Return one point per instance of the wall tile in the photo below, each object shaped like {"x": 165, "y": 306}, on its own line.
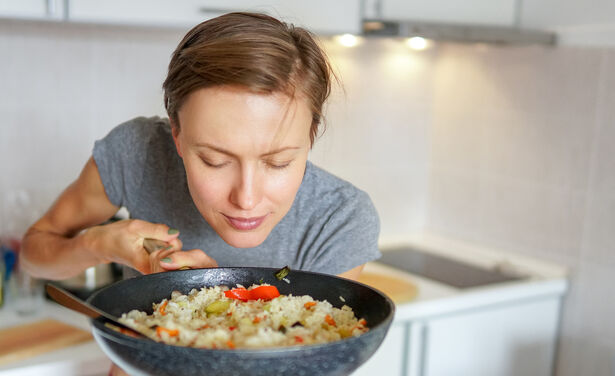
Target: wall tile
{"x": 583, "y": 356}
{"x": 458, "y": 139}
{"x": 454, "y": 198}
{"x": 91, "y": 78}
{"x": 539, "y": 219}
{"x": 539, "y": 148}
{"x": 588, "y": 340}
{"x": 599, "y": 238}
{"x": 559, "y": 81}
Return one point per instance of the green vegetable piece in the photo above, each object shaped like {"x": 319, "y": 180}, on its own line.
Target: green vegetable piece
{"x": 218, "y": 306}
{"x": 282, "y": 273}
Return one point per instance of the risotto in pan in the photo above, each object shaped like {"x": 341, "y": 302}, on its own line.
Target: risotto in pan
{"x": 256, "y": 317}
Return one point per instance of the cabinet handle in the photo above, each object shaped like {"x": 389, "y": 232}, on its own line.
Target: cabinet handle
{"x": 216, "y": 10}
{"x": 50, "y": 8}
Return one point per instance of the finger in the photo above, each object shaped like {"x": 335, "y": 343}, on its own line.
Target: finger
{"x": 193, "y": 259}
{"x": 155, "y": 257}
{"x": 175, "y": 245}
{"x": 158, "y": 231}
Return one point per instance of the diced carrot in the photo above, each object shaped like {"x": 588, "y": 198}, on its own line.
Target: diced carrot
{"x": 362, "y": 322}
{"x": 203, "y": 327}
{"x": 329, "y": 320}
{"x": 230, "y": 344}
{"x": 170, "y": 332}
{"x": 231, "y": 328}
{"x": 256, "y": 320}
{"x": 309, "y": 305}
{"x": 162, "y": 308}
{"x": 298, "y": 339}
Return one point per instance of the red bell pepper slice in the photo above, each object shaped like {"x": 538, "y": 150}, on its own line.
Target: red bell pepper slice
{"x": 239, "y": 294}
{"x": 264, "y": 292}
{"x": 261, "y": 292}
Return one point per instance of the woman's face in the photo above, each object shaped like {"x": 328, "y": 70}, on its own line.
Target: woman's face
{"x": 245, "y": 156}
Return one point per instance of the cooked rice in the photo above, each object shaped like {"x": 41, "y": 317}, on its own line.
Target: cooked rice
{"x": 283, "y": 321}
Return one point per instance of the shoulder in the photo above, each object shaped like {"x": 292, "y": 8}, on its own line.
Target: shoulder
{"x": 320, "y": 183}
{"x": 131, "y": 153}
{"x": 334, "y": 197}
{"x": 136, "y": 138}
{"x": 342, "y": 223}
{"x": 141, "y": 128}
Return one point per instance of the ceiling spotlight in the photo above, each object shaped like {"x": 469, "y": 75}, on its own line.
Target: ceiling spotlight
{"x": 348, "y": 40}
{"x": 417, "y": 43}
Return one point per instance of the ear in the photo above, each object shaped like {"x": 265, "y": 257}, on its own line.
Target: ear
{"x": 175, "y": 132}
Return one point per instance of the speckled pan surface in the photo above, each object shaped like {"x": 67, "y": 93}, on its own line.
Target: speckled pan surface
{"x": 143, "y": 357}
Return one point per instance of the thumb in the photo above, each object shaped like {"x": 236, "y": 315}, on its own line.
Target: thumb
{"x": 193, "y": 259}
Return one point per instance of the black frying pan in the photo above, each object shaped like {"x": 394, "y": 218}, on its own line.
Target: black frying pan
{"x": 145, "y": 357}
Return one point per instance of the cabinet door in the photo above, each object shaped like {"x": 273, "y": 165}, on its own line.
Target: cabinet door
{"x": 184, "y": 14}
{"x": 31, "y": 9}
{"x": 511, "y": 340}
{"x": 575, "y": 22}
{"x": 487, "y": 12}
{"x": 389, "y": 358}
{"x": 321, "y": 16}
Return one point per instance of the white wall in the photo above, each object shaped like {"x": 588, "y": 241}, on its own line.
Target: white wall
{"x": 521, "y": 159}
{"x": 503, "y": 146}
{"x": 64, "y": 86}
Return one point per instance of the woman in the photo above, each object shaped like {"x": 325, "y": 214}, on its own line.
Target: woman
{"x": 225, "y": 180}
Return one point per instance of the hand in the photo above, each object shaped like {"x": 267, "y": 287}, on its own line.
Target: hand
{"x": 122, "y": 242}
{"x": 193, "y": 259}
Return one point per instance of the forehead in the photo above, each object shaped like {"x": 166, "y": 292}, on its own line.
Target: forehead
{"x": 237, "y": 117}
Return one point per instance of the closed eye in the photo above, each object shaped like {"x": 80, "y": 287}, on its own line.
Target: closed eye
{"x": 214, "y": 165}
{"x": 278, "y": 165}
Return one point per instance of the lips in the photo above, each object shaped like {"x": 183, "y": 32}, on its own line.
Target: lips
{"x": 245, "y": 224}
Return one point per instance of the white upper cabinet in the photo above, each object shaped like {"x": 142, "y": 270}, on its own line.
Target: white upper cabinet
{"x": 484, "y": 12}
{"x": 325, "y": 16}
{"x": 320, "y": 16}
{"x": 577, "y": 22}
{"x": 32, "y": 9}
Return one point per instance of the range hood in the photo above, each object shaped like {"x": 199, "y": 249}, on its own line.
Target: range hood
{"x": 466, "y": 33}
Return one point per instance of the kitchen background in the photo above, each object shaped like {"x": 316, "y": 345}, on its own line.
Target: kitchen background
{"x": 503, "y": 146}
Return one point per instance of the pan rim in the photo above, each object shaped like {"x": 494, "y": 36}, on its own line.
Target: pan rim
{"x": 112, "y": 335}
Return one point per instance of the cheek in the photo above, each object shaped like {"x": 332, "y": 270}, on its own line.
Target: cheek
{"x": 283, "y": 188}
{"x": 205, "y": 190}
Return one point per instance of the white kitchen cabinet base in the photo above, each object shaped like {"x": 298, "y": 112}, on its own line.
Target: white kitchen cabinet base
{"x": 512, "y": 339}
{"x": 389, "y": 358}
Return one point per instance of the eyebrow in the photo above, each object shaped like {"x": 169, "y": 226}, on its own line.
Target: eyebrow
{"x": 224, "y": 151}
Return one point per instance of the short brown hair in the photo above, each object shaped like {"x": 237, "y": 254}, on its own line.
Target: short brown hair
{"x": 252, "y": 50}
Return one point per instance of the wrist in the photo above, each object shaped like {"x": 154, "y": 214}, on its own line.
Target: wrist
{"x": 88, "y": 241}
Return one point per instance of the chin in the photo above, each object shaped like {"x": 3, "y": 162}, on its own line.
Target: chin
{"x": 243, "y": 240}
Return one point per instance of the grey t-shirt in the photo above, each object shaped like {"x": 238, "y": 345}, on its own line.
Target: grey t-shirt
{"x": 331, "y": 227}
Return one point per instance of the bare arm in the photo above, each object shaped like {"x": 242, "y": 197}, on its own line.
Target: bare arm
{"x": 55, "y": 247}
{"x": 353, "y": 273}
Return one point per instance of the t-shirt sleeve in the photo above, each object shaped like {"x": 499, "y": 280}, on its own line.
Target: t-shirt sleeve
{"x": 116, "y": 158}
{"x": 349, "y": 237}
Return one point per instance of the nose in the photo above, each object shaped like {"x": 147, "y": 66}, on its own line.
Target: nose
{"x": 247, "y": 191}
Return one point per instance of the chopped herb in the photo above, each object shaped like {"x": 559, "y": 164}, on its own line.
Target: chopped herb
{"x": 282, "y": 328}
{"x": 261, "y": 281}
{"x": 280, "y": 274}
{"x": 297, "y": 324}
